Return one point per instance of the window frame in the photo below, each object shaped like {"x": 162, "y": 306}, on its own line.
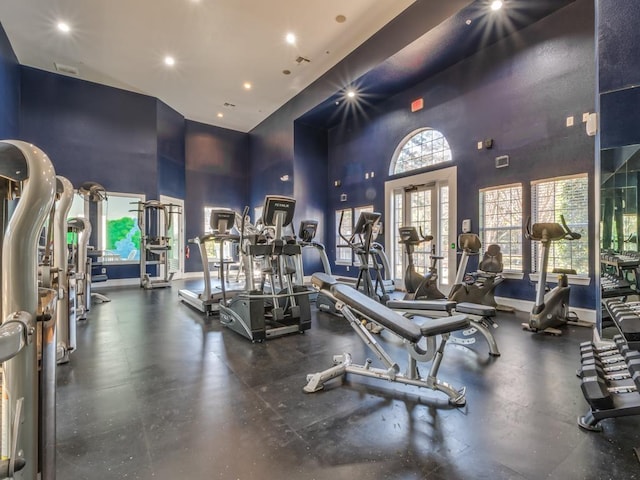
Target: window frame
{"x": 447, "y": 151}
{"x": 102, "y": 225}
{"x": 583, "y": 229}
{"x": 482, "y": 229}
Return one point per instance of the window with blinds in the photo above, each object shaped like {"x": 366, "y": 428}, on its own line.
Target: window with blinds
{"x": 569, "y": 197}
{"x": 501, "y": 223}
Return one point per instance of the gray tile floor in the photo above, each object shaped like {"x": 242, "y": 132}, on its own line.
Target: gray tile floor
{"x": 158, "y": 391}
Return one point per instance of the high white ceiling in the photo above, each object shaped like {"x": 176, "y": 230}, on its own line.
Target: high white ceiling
{"x": 218, "y": 45}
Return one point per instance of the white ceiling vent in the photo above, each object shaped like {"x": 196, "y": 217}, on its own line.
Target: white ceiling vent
{"x": 69, "y": 70}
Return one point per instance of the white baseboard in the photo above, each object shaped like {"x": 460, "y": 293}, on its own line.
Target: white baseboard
{"x": 127, "y": 282}
{"x": 117, "y": 282}
{"x": 526, "y": 306}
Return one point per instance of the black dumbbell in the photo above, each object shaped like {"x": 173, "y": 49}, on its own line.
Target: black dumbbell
{"x": 596, "y": 393}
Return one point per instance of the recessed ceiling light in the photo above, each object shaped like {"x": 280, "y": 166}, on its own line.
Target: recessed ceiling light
{"x": 220, "y": 115}
{"x": 341, "y": 19}
{"x": 468, "y": 21}
{"x": 290, "y": 38}
{"x": 351, "y": 93}
{"x": 496, "y": 5}
{"x": 286, "y": 72}
{"x": 169, "y": 61}
{"x": 247, "y": 86}
{"x": 64, "y": 27}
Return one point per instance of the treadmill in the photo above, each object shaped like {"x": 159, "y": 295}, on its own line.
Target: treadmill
{"x": 221, "y": 221}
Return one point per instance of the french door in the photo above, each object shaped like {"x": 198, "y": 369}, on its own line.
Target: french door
{"x": 425, "y": 202}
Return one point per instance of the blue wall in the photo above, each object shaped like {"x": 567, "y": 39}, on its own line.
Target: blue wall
{"x": 92, "y": 132}
{"x": 170, "y": 129}
{"x": 619, "y": 72}
{"x": 135, "y": 144}
{"x": 518, "y": 92}
{"x": 309, "y": 181}
{"x": 272, "y": 152}
{"x": 9, "y": 89}
{"x": 217, "y": 165}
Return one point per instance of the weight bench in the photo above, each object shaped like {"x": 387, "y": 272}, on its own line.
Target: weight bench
{"x": 481, "y": 317}
{"x": 354, "y": 305}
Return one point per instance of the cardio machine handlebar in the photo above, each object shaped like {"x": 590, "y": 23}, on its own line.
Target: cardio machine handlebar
{"x": 550, "y": 232}
{"x": 409, "y": 236}
{"x": 425, "y": 238}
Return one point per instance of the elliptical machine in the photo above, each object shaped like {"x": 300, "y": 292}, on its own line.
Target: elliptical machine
{"x": 360, "y": 241}
{"x": 419, "y": 286}
{"x": 551, "y": 310}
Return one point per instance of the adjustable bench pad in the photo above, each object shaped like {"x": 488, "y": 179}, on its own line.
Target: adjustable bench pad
{"x": 377, "y": 312}
{"x": 433, "y": 305}
{"x": 476, "y": 309}
{"x": 323, "y": 281}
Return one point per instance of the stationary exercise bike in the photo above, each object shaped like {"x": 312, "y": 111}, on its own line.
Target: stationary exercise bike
{"x": 551, "y": 310}
{"x": 483, "y": 283}
{"x": 419, "y": 286}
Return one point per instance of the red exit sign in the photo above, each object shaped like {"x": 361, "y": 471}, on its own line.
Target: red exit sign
{"x": 417, "y": 105}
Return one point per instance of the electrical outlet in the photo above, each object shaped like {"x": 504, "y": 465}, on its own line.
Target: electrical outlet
{"x": 479, "y": 145}
{"x": 570, "y": 121}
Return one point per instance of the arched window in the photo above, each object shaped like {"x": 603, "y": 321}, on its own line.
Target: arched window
{"x": 420, "y": 149}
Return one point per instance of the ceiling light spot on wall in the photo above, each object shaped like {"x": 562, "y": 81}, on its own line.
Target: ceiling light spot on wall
{"x": 64, "y": 27}
{"x": 496, "y": 5}
{"x": 169, "y": 61}
{"x": 220, "y": 115}
{"x": 286, "y": 72}
{"x": 341, "y": 19}
{"x": 247, "y": 85}
{"x": 290, "y": 38}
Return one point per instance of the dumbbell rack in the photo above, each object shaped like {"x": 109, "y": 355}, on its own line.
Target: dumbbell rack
{"x": 610, "y": 371}
{"x": 615, "y": 287}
